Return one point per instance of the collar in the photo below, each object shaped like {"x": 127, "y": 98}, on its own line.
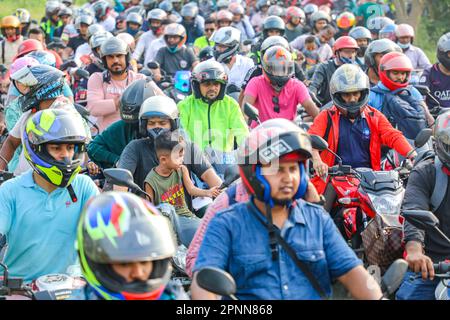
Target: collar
{"x": 27, "y": 180}
{"x": 295, "y": 212}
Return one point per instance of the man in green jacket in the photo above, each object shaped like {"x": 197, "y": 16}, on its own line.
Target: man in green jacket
{"x": 106, "y": 148}
{"x": 211, "y": 119}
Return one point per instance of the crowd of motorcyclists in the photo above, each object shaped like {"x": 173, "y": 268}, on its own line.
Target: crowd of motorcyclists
{"x": 168, "y": 139}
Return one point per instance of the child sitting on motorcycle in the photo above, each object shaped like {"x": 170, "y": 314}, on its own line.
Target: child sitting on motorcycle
{"x": 167, "y": 181}
{"x": 354, "y": 130}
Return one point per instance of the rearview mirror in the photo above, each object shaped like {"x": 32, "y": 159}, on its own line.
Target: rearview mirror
{"x": 424, "y": 90}
{"x": 121, "y": 177}
{"x": 422, "y": 137}
{"x": 216, "y": 281}
{"x": 318, "y": 143}
{"x": 393, "y": 277}
{"x": 421, "y": 219}
{"x": 251, "y": 112}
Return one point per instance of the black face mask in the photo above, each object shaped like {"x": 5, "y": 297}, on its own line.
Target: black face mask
{"x": 278, "y": 81}
{"x": 155, "y": 132}
{"x": 444, "y": 59}
{"x": 361, "y": 51}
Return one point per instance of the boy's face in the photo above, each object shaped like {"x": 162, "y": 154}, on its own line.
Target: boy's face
{"x": 398, "y": 76}
{"x": 283, "y": 178}
{"x": 310, "y": 46}
{"x": 172, "y": 160}
{"x": 133, "y": 271}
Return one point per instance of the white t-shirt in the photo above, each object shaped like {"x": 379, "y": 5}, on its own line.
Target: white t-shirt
{"x": 239, "y": 70}
{"x": 144, "y": 46}
{"x": 109, "y": 24}
{"x": 152, "y": 50}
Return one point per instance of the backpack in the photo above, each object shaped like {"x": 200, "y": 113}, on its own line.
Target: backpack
{"x": 403, "y": 111}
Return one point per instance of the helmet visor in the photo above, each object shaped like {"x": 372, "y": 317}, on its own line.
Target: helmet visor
{"x": 280, "y": 69}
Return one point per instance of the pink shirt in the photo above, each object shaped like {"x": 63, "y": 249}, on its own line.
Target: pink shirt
{"x": 293, "y": 93}
{"x": 220, "y": 203}
{"x": 100, "y": 97}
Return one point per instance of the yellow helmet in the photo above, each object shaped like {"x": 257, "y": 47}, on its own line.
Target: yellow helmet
{"x": 11, "y": 22}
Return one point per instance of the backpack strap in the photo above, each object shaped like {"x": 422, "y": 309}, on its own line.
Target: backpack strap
{"x": 329, "y": 125}
{"x": 3, "y": 50}
{"x": 440, "y": 185}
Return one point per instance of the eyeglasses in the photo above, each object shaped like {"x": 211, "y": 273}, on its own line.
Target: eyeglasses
{"x": 276, "y": 106}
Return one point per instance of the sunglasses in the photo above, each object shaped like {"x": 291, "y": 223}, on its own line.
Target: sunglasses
{"x": 276, "y": 106}
{"x": 210, "y": 30}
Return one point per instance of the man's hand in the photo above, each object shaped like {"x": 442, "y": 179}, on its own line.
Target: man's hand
{"x": 214, "y": 192}
{"x": 93, "y": 168}
{"x": 2, "y": 127}
{"x": 320, "y": 167}
{"x": 417, "y": 261}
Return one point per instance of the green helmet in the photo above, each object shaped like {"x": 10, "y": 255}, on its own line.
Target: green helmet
{"x": 55, "y": 126}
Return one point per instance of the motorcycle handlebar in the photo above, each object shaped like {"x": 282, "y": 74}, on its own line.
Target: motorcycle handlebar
{"x": 442, "y": 267}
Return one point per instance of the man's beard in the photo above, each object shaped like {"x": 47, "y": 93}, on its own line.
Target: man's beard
{"x": 118, "y": 72}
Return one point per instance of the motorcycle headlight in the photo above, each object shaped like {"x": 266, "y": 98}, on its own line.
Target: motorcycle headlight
{"x": 387, "y": 203}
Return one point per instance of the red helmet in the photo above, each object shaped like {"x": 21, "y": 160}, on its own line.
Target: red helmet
{"x": 345, "y": 42}
{"x": 394, "y": 61}
{"x": 295, "y": 12}
{"x": 28, "y": 46}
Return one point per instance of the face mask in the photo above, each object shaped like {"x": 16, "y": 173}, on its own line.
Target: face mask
{"x": 347, "y": 60}
{"x": 132, "y": 32}
{"x": 362, "y": 51}
{"x": 155, "y": 132}
{"x": 404, "y": 46}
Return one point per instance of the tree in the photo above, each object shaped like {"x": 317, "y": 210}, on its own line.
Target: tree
{"x": 409, "y": 11}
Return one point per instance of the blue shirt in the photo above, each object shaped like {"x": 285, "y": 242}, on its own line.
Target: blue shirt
{"x": 40, "y": 227}
{"x": 67, "y": 92}
{"x": 238, "y": 243}
{"x": 354, "y": 142}
{"x": 376, "y": 99}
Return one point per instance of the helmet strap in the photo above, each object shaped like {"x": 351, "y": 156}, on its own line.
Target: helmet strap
{"x": 72, "y": 194}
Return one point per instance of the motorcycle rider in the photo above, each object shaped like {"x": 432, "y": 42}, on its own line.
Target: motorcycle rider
{"x": 405, "y": 37}
{"x": 241, "y": 21}
{"x": 345, "y": 21}
{"x": 437, "y": 77}
{"x": 9, "y": 46}
{"x": 139, "y": 157}
{"x": 427, "y": 179}
{"x": 25, "y": 20}
{"x": 205, "y": 41}
{"x": 102, "y": 10}
{"x": 276, "y": 93}
{"x": 105, "y": 89}
{"x": 272, "y": 26}
{"x": 395, "y": 73}
{"x": 375, "y": 51}
{"x": 51, "y": 24}
{"x": 211, "y": 118}
{"x": 134, "y": 23}
{"x": 257, "y": 19}
{"x": 344, "y": 51}
{"x": 194, "y": 29}
{"x": 106, "y": 148}
{"x": 224, "y": 18}
{"x": 354, "y": 130}
{"x": 226, "y": 51}
{"x": 175, "y": 55}
{"x": 82, "y": 24}
{"x": 296, "y": 19}
{"x": 95, "y": 42}
{"x": 237, "y": 239}
{"x": 147, "y": 42}
{"x": 132, "y": 268}
{"x": 363, "y": 38}
{"x": 46, "y": 201}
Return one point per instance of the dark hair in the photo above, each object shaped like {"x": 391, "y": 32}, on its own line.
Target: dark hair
{"x": 310, "y": 39}
{"x": 329, "y": 28}
{"x": 36, "y": 31}
{"x": 165, "y": 142}
{"x": 210, "y": 21}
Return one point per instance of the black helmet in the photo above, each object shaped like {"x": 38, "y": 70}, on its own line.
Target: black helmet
{"x": 230, "y": 37}
{"x": 349, "y": 78}
{"x": 132, "y": 99}
{"x": 269, "y": 142}
{"x": 113, "y": 46}
{"x": 273, "y": 23}
{"x": 45, "y": 83}
{"x": 206, "y": 71}
{"x": 278, "y": 65}
{"x": 206, "y": 53}
{"x": 442, "y": 138}
{"x": 119, "y": 227}
{"x": 443, "y": 47}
